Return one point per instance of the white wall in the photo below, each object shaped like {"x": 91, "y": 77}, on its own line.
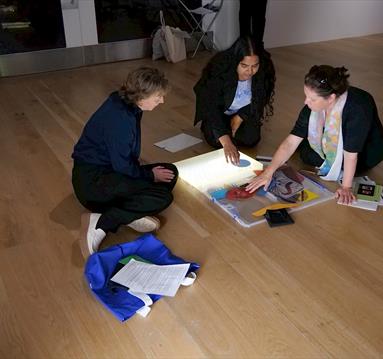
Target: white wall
{"x": 291, "y": 22}
{"x": 288, "y": 22}
{"x": 301, "y": 21}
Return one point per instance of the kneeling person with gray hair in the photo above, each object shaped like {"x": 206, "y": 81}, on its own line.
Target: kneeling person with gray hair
{"x": 107, "y": 176}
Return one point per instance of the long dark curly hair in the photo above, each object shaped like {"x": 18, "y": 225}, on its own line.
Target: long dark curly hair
{"x": 227, "y": 61}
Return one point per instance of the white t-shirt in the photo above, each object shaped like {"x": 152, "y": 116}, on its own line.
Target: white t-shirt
{"x": 242, "y": 97}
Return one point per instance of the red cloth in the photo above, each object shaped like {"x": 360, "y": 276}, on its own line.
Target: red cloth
{"x": 237, "y": 193}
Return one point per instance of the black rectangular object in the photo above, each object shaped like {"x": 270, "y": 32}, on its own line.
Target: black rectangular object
{"x": 278, "y": 217}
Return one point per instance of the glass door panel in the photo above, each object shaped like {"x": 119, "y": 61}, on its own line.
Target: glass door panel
{"x": 30, "y": 25}
{"x": 119, "y": 20}
{"x": 75, "y": 33}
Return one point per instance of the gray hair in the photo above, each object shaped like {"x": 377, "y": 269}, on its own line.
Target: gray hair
{"x": 143, "y": 82}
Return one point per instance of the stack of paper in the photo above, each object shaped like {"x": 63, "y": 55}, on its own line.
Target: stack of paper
{"x": 149, "y": 278}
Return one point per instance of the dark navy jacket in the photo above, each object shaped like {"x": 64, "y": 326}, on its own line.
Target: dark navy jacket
{"x": 112, "y": 138}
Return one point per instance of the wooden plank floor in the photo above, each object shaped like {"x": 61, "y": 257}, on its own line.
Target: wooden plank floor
{"x": 311, "y": 290}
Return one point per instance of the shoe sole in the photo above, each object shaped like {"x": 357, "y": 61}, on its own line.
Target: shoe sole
{"x": 152, "y": 219}
{"x": 85, "y": 219}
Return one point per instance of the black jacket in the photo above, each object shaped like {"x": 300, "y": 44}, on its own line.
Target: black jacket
{"x": 362, "y": 130}
{"x": 216, "y": 89}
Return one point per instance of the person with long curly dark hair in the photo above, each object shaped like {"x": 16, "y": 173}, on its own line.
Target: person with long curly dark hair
{"x": 234, "y": 95}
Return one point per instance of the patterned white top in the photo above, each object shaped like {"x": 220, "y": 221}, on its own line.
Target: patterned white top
{"x": 242, "y": 97}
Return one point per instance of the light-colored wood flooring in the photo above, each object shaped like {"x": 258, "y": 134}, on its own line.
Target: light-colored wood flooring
{"x": 310, "y": 290}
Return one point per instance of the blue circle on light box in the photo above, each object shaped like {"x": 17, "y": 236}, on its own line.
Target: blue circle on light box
{"x": 243, "y": 163}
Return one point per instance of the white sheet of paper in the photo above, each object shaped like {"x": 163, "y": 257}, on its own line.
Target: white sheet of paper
{"x": 178, "y": 142}
{"x": 151, "y": 278}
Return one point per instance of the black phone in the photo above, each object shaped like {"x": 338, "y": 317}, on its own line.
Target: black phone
{"x": 278, "y": 217}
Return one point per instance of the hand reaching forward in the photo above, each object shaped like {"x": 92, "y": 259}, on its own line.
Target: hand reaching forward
{"x": 162, "y": 174}
{"x": 263, "y": 179}
{"x": 229, "y": 149}
{"x": 231, "y": 154}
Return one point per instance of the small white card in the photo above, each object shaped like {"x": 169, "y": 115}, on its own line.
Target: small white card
{"x": 178, "y": 142}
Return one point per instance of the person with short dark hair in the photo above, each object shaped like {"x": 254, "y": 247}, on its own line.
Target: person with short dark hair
{"x": 107, "y": 176}
{"x": 337, "y": 129}
{"x": 234, "y": 95}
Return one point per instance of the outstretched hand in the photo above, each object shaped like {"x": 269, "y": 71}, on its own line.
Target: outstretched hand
{"x": 263, "y": 179}
{"x": 345, "y": 195}
{"x": 231, "y": 153}
{"x": 162, "y": 174}
{"x": 230, "y": 150}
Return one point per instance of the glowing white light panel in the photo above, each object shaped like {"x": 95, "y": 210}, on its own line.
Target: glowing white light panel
{"x": 210, "y": 171}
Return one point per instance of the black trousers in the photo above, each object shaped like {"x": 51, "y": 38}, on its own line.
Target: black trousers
{"x": 247, "y": 135}
{"x": 252, "y": 18}
{"x": 119, "y": 198}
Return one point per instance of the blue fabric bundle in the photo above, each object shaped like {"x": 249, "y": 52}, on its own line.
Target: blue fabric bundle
{"x": 101, "y": 266}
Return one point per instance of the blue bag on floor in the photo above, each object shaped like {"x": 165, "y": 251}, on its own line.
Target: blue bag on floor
{"x": 101, "y": 266}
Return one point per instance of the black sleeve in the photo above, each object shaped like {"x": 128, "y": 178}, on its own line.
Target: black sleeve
{"x": 210, "y": 105}
{"x": 356, "y": 123}
{"x": 301, "y": 126}
{"x": 245, "y": 112}
{"x": 146, "y": 173}
{"x": 119, "y": 146}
